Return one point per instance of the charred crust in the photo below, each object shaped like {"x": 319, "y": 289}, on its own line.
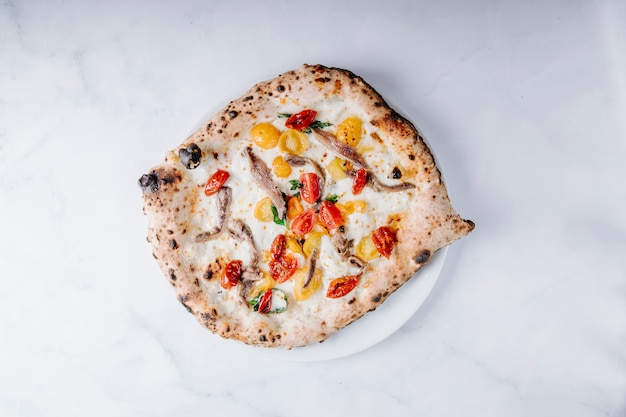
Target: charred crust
{"x": 376, "y": 299}
{"x": 149, "y": 183}
{"x": 171, "y": 273}
{"x": 208, "y": 275}
{"x": 232, "y": 114}
{"x": 280, "y": 88}
{"x": 322, "y": 79}
{"x": 213, "y": 268}
{"x": 396, "y": 173}
{"x": 173, "y": 244}
{"x": 412, "y": 157}
{"x": 262, "y": 338}
{"x": 152, "y": 182}
{"x": 248, "y": 98}
{"x": 183, "y": 300}
{"x": 423, "y": 257}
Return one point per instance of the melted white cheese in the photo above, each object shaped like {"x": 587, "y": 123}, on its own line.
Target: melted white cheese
{"x": 246, "y": 194}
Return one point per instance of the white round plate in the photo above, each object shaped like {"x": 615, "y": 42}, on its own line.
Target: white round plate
{"x": 376, "y": 325}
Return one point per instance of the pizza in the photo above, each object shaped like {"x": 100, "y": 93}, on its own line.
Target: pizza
{"x": 296, "y": 209}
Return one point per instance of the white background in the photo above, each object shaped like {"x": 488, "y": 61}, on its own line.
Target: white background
{"x": 524, "y": 107}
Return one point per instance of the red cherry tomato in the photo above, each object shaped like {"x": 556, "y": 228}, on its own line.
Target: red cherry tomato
{"x": 216, "y": 182}
{"x": 330, "y": 215}
{"x": 360, "y": 179}
{"x": 304, "y": 223}
{"x": 265, "y": 303}
{"x": 310, "y": 191}
{"x": 384, "y": 239}
{"x": 231, "y": 274}
{"x": 282, "y": 269}
{"x": 301, "y": 120}
{"x": 342, "y": 286}
{"x": 278, "y": 247}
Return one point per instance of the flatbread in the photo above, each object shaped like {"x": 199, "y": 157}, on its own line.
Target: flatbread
{"x": 195, "y": 236}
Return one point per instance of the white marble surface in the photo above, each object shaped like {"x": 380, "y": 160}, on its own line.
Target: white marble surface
{"x": 525, "y": 108}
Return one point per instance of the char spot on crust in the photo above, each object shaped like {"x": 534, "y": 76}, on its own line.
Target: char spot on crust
{"x": 149, "y": 183}
{"x": 412, "y": 157}
{"x": 213, "y": 268}
{"x": 281, "y": 88}
{"x": 233, "y": 114}
{"x": 262, "y": 338}
{"x": 172, "y": 274}
{"x": 183, "y": 300}
{"x": 173, "y": 244}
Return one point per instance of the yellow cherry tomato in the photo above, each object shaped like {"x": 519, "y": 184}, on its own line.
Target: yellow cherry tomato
{"x": 313, "y": 241}
{"x": 293, "y": 141}
{"x": 350, "y": 131}
{"x": 366, "y": 249}
{"x": 281, "y": 168}
{"x": 263, "y": 210}
{"x": 294, "y": 207}
{"x": 301, "y": 292}
{"x": 265, "y": 135}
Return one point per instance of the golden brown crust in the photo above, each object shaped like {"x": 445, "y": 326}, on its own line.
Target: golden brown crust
{"x": 170, "y": 198}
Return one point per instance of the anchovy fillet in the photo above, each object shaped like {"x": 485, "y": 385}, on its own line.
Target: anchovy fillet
{"x": 262, "y": 176}
{"x": 224, "y": 196}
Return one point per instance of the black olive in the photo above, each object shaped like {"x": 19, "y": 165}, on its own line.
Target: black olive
{"x": 190, "y": 156}
{"x": 149, "y": 183}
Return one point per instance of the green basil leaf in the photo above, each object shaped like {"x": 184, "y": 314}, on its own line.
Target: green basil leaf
{"x": 332, "y": 198}
{"x": 316, "y": 125}
{"x": 319, "y": 125}
{"x": 295, "y": 184}
{"x": 277, "y": 219}
{"x": 254, "y": 303}
{"x": 284, "y": 115}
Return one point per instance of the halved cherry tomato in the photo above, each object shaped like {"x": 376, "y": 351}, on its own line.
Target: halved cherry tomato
{"x": 278, "y": 247}
{"x": 330, "y": 215}
{"x": 342, "y": 286}
{"x": 304, "y": 223}
{"x": 282, "y": 269}
{"x": 265, "y": 303}
{"x": 384, "y": 239}
{"x": 360, "y": 179}
{"x": 301, "y": 120}
{"x": 231, "y": 274}
{"x": 215, "y": 182}
{"x": 310, "y": 190}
